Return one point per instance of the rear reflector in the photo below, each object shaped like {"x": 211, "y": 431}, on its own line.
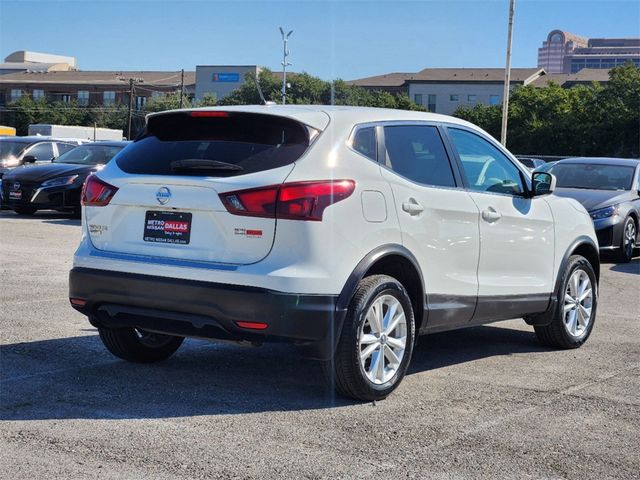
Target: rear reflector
{"x": 252, "y": 325}
{"x": 97, "y": 193}
{"x": 78, "y": 302}
{"x": 209, "y": 114}
{"x": 292, "y": 201}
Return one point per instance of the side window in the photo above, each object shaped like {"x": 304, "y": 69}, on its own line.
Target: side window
{"x": 417, "y": 153}
{"x": 487, "y": 169}
{"x": 364, "y": 142}
{"x": 64, "y": 148}
{"x": 42, "y": 151}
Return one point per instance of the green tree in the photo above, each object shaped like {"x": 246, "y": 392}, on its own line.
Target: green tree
{"x": 591, "y": 120}
{"x": 305, "y": 89}
{"x": 166, "y": 102}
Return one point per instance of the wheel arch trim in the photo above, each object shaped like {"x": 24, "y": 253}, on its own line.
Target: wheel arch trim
{"x": 582, "y": 241}
{"x": 369, "y": 260}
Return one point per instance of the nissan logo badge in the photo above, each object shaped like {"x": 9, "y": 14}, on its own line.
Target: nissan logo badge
{"x": 163, "y": 195}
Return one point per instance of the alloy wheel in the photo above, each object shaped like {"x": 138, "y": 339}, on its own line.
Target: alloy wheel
{"x": 629, "y": 241}
{"x": 383, "y": 339}
{"x": 578, "y": 303}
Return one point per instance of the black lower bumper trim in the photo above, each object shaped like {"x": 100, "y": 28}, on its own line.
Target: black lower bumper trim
{"x": 207, "y": 310}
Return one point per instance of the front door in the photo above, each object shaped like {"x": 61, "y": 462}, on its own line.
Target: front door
{"x": 515, "y": 271}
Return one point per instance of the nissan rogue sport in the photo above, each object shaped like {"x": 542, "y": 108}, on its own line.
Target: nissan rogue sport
{"x": 347, "y": 231}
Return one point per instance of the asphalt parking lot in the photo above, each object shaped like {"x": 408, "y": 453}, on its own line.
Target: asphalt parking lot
{"x": 484, "y": 402}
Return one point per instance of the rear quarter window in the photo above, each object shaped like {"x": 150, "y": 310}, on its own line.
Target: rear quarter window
{"x": 227, "y": 144}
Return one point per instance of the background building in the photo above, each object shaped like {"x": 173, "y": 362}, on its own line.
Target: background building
{"x": 558, "y": 46}
{"x": 389, "y": 82}
{"x": 586, "y": 77}
{"x": 604, "y": 53}
{"x": 24, "y": 61}
{"x": 99, "y": 88}
{"x": 443, "y": 90}
{"x": 220, "y": 80}
{"x": 564, "y": 52}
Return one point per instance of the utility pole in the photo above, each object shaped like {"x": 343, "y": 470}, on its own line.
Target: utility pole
{"x": 507, "y": 76}
{"x": 285, "y": 64}
{"x": 131, "y": 80}
{"x": 181, "y": 86}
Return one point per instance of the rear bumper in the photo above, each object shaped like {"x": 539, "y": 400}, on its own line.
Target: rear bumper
{"x": 206, "y": 310}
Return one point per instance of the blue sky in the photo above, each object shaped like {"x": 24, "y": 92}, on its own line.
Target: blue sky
{"x": 346, "y": 39}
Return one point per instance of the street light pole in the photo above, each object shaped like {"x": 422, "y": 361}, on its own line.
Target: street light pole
{"x": 507, "y": 76}
{"x": 285, "y": 64}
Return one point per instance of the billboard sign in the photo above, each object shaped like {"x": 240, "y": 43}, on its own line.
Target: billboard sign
{"x": 226, "y": 77}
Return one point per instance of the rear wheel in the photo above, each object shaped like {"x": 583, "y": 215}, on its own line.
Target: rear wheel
{"x": 575, "y": 312}
{"x": 24, "y": 210}
{"x": 628, "y": 242}
{"x": 376, "y": 341}
{"x": 135, "y": 345}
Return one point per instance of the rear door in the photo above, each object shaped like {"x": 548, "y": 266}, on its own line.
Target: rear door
{"x": 167, "y": 203}
{"x": 439, "y": 221}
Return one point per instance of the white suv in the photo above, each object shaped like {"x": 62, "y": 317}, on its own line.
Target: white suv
{"x": 347, "y": 231}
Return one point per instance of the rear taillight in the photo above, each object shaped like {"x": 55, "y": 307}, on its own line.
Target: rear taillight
{"x": 293, "y": 201}
{"x": 97, "y": 193}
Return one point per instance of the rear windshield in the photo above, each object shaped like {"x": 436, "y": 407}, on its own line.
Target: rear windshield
{"x": 221, "y": 145}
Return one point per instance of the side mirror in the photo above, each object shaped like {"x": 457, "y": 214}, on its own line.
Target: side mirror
{"x": 543, "y": 183}
{"x": 29, "y": 159}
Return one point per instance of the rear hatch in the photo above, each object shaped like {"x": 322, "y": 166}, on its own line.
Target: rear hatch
{"x": 165, "y": 187}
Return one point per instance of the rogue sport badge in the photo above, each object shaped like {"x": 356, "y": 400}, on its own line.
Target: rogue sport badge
{"x": 163, "y": 195}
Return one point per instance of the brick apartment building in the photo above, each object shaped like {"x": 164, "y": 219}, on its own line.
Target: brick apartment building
{"x": 21, "y": 75}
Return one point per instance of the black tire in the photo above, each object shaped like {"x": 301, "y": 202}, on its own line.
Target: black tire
{"x": 345, "y": 371}
{"x": 556, "y": 333}
{"x": 25, "y": 210}
{"x": 139, "y": 346}
{"x": 627, "y": 245}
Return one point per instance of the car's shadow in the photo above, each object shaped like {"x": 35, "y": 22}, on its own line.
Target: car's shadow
{"x": 632, "y": 267}
{"x": 76, "y": 378}
{"x": 47, "y": 216}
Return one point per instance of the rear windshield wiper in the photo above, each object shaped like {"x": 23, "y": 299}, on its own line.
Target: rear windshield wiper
{"x": 203, "y": 164}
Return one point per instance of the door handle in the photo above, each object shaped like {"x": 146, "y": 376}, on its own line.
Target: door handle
{"x": 491, "y": 215}
{"x": 412, "y": 207}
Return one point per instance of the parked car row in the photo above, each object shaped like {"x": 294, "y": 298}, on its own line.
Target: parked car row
{"x": 45, "y": 183}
